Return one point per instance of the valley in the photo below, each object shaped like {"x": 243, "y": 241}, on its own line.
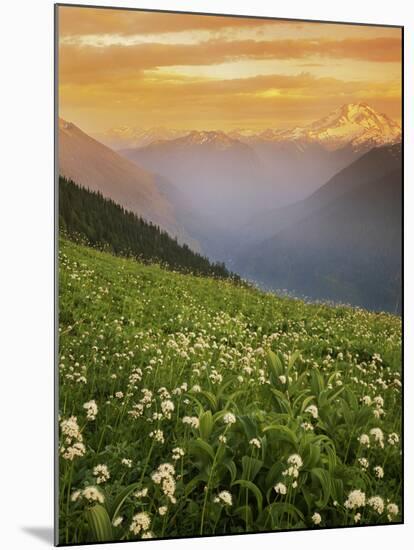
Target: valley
{"x": 314, "y": 211}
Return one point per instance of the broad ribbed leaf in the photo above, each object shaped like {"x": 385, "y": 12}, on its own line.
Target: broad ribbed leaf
{"x": 200, "y": 446}
{"x": 251, "y": 467}
{"x": 99, "y": 523}
{"x": 206, "y": 425}
{"x": 249, "y": 485}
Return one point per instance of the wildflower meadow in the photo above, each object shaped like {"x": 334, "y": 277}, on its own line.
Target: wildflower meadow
{"x": 190, "y": 405}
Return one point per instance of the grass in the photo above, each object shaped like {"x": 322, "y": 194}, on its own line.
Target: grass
{"x": 191, "y": 406}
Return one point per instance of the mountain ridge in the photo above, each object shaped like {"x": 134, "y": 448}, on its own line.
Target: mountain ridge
{"x": 95, "y": 166}
{"x": 343, "y": 243}
{"x": 354, "y": 124}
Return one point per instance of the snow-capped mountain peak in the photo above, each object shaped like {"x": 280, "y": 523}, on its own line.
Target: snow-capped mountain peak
{"x": 354, "y": 124}
{"x": 215, "y": 138}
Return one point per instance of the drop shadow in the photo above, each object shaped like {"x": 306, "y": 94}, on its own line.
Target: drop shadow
{"x": 42, "y": 533}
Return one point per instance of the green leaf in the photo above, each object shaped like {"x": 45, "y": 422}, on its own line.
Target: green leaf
{"x": 282, "y": 401}
{"x": 310, "y": 452}
{"x": 275, "y": 365}
{"x": 292, "y": 360}
{"x": 316, "y": 382}
{"x": 249, "y": 426}
{"x": 282, "y": 433}
{"x": 200, "y": 446}
{"x": 245, "y": 513}
{"x": 323, "y": 477}
{"x": 193, "y": 483}
{"x": 251, "y": 467}
{"x": 206, "y": 424}
{"x": 250, "y": 486}
{"x": 277, "y": 510}
{"x": 115, "y": 506}
{"x": 231, "y": 467}
{"x": 99, "y": 523}
{"x": 211, "y": 398}
{"x": 305, "y": 402}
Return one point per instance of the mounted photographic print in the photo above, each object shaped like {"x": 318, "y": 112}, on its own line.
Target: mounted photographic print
{"x": 229, "y": 274}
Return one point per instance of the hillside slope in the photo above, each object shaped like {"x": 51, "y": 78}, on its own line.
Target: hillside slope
{"x": 344, "y": 244}
{"x": 88, "y": 216}
{"x": 200, "y": 375}
{"x": 96, "y": 167}
{"x": 372, "y": 165}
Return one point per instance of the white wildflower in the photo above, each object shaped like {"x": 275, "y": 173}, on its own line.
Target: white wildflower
{"x": 316, "y": 518}
{"x": 141, "y": 493}
{"x": 392, "y": 510}
{"x": 75, "y": 495}
{"x": 378, "y": 435}
{"x": 167, "y": 408}
{"x": 356, "y": 499}
{"x": 377, "y": 504}
{"x": 280, "y": 488}
{"x": 117, "y": 521}
{"x": 91, "y": 409}
{"x": 224, "y": 497}
{"x": 229, "y": 418}
{"x": 101, "y": 473}
{"x": 157, "y": 435}
{"x": 140, "y": 522}
{"x": 307, "y": 426}
{"x": 177, "y": 453}
{"x": 363, "y": 462}
{"x": 312, "y": 410}
{"x": 192, "y": 421}
{"x": 364, "y": 440}
{"x": 295, "y": 460}
{"x": 92, "y": 494}
{"x": 393, "y": 438}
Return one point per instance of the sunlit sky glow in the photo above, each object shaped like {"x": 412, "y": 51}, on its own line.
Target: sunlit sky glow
{"x": 184, "y": 71}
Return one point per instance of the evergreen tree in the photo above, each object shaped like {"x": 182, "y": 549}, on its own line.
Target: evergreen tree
{"x": 87, "y": 215}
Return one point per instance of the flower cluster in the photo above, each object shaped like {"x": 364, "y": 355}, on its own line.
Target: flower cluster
{"x": 91, "y": 409}
{"x": 164, "y": 476}
{"x": 356, "y": 499}
{"x": 224, "y": 497}
{"x": 101, "y": 473}
{"x": 140, "y": 522}
{"x": 72, "y": 445}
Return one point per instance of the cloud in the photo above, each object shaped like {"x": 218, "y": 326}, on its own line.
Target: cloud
{"x": 262, "y": 101}
{"x": 87, "y": 63}
{"x": 77, "y": 21}
{"x": 109, "y": 83}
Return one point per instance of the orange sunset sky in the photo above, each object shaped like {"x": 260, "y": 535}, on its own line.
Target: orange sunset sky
{"x": 184, "y": 71}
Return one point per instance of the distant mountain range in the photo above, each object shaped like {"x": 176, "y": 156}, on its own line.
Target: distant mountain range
{"x": 343, "y": 243}
{"x": 122, "y": 137}
{"x": 220, "y": 177}
{"x": 355, "y": 124}
{"x": 258, "y": 170}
